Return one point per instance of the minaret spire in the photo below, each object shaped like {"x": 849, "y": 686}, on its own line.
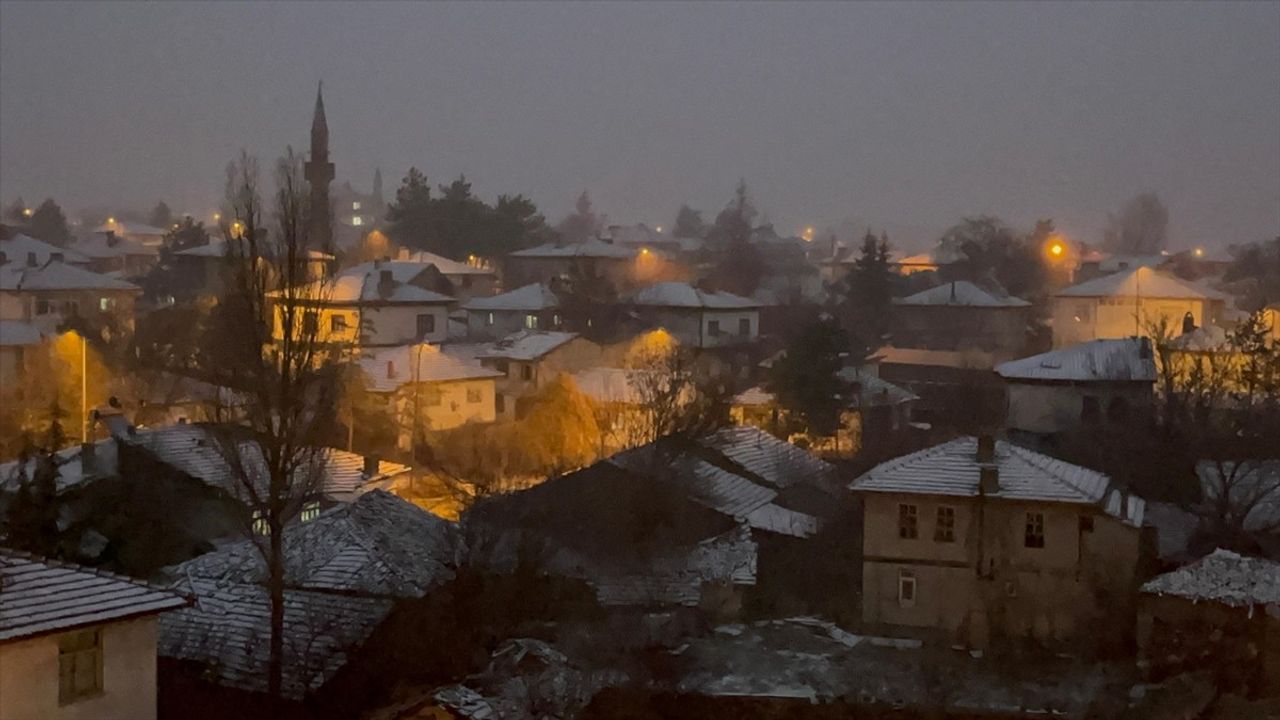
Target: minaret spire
{"x": 319, "y": 173}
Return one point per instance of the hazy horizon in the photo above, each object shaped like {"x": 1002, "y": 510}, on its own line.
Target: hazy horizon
{"x": 901, "y": 116}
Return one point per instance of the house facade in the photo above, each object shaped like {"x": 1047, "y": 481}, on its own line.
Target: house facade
{"x": 698, "y": 318}
{"x": 962, "y": 316}
{"x": 976, "y": 541}
{"x": 532, "y": 307}
{"x": 619, "y": 264}
{"x": 428, "y": 389}
{"x": 1129, "y": 303}
{"x": 530, "y": 360}
{"x": 76, "y": 644}
{"x": 47, "y": 295}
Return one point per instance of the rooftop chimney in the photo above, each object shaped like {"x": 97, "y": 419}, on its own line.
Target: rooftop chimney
{"x": 988, "y": 480}
{"x": 88, "y": 459}
{"x": 986, "y": 449}
{"x": 386, "y": 283}
{"x": 371, "y": 465}
{"x": 1188, "y": 323}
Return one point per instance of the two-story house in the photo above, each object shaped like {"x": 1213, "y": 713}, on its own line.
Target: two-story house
{"x": 48, "y": 294}
{"x": 469, "y": 279}
{"x": 530, "y": 360}
{"x": 976, "y": 541}
{"x": 532, "y": 307}
{"x": 1129, "y": 303}
{"x": 367, "y": 306}
{"x": 617, "y": 263}
{"x": 961, "y": 316}
{"x": 76, "y": 643}
{"x": 111, "y": 253}
{"x": 698, "y": 318}
{"x": 26, "y": 249}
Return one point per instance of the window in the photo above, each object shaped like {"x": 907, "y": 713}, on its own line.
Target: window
{"x": 260, "y": 526}
{"x": 713, "y": 328}
{"x": 531, "y": 322}
{"x": 105, "y": 304}
{"x": 357, "y": 220}
{"x": 426, "y": 325}
{"x": 489, "y": 320}
{"x": 79, "y": 665}
{"x": 71, "y": 307}
{"x": 43, "y": 307}
{"x": 500, "y": 403}
{"x": 908, "y": 522}
{"x": 310, "y": 322}
{"x": 391, "y": 369}
{"x": 338, "y": 323}
{"x": 945, "y": 529}
{"x": 473, "y": 395}
{"x": 1034, "y": 537}
{"x": 906, "y": 588}
{"x": 526, "y": 372}
{"x": 355, "y": 205}
{"x": 1090, "y": 411}
{"x": 744, "y": 327}
{"x": 555, "y": 320}
{"x": 310, "y": 511}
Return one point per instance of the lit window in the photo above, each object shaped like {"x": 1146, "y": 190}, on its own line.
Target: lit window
{"x": 906, "y": 588}
{"x": 945, "y": 529}
{"x": 79, "y": 665}
{"x": 105, "y": 304}
{"x": 531, "y": 322}
{"x": 337, "y": 323}
{"x": 311, "y": 511}
{"x": 555, "y": 320}
{"x": 473, "y": 395}
{"x": 489, "y": 320}
{"x": 908, "y": 522}
{"x": 355, "y": 205}
{"x": 260, "y": 526}
{"x": 1034, "y": 537}
{"x": 357, "y": 220}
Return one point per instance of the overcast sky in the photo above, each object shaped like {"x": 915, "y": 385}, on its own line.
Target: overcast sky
{"x": 906, "y": 116}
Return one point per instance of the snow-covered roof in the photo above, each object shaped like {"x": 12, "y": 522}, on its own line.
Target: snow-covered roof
{"x": 678, "y": 578}
{"x": 953, "y": 469}
{"x": 528, "y": 298}
{"x": 54, "y": 275}
{"x": 194, "y": 450}
{"x": 100, "y": 245}
{"x": 589, "y": 249}
{"x": 1140, "y": 282}
{"x": 1208, "y": 338}
{"x": 218, "y": 247}
{"x": 378, "y": 545}
{"x": 1116, "y": 360}
{"x": 778, "y": 462}
{"x": 960, "y": 293}
{"x": 684, "y": 295}
{"x": 15, "y": 333}
{"x": 18, "y": 248}
{"x": 874, "y": 390}
{"x": 132, "y": 228}
{"x": 526, "y": 345}
{"x": 228, "y": 631}
{"x": 389, "y": 368}
{"x": 1222, "y": 577}
{"x": 353, "y": 287}
{"x": 445, "y": 265}
{"x": 39, "y": 596}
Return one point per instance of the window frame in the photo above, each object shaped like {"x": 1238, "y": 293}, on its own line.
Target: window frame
{"x": 310, "y": 511}
{"x": 1033, "y": 535}
{"x": 713, "y": 328}
{"x": 944, "y": 524}
{"x": 908, "y": 521}
{"x": 744, "y": 327}
{"x": 474, "y": 396}
{"x": 72, "y": 649}
{"x": 907, "y": 579}
{"x": 430, "y": 321}
{"x": 337, "y": 323}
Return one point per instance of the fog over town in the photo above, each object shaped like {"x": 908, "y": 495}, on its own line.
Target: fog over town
{"x": 510, "y": 361}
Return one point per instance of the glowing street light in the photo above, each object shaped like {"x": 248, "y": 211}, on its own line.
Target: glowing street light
{"x": 1199, "y": 252}
{"x": 659, "y": 229}
{"x": 217, "y": 217}
{"x": 27, "y": 212}
{"x": 111, "y": 221}
{"x": 807, "y": 234}
{"x": 1056, "y": 249}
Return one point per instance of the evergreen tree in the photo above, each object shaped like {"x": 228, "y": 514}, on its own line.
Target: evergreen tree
{"x": 583, "y": 223}
{"x": 741, "y": 266}
{"x": 410, "y": 214}
{"x": 689, "y": 223}
{"x": 161, "y": 216}
{"x": 806, "y": 378}
{"x": 868, "y": 305}
{"x": 16, "y": 211}
{"x": 48, "y": 223}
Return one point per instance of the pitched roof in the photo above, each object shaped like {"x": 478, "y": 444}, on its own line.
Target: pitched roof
{"x": 54, "y": 275}
{"x": 15, "y": 332}
{"x": 960, "y": 293}
{"x": 218, "y": 247}
{"x": 17, "y": 248}
{"x": 589, "y": 249}
{"x": 39, "y": 596}
{"x": 363, "y": 284}
{"x": 526, "y": 345}
{"x": 530, "y": 297}
{"x": 378, "y": 545}
{"x": 1124, "y": 359}
{"x": 387, "y": 369}
{"x": 1141, "y": 281}
{"x": 952, "y": 469}
{"x": 447, "y": 266}
{"x": 99, "y": 245}
{"x": 684, "y": 295}
{"x": 1222, "y": 577}
{"x": 228, "y": 631}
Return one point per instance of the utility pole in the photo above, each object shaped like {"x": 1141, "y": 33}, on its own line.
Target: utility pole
{"x": 84, "y": 390}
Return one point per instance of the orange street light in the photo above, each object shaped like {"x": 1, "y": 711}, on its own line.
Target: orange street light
{"x": 1057, "y": 249}
{"x": 27, "y": 212}
{"x": 1199, "y": 252}
{"x": 111, "y": 221}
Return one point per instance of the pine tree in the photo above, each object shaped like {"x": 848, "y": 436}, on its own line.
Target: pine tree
{"x": 48, "y": 223}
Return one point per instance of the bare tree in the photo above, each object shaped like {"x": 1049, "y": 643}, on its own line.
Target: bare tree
{"x": 265, "y": 342}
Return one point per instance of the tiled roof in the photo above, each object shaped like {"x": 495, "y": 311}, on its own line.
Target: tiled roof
{"x": 1124, "y": 359}
{"x": 961, "y": 293}
{"x": 55, "y": 275}
{"x": 17, "y": 248}
{"x": 378, "y": 545}
{"x": 874, "y": 390}
{"x": 15, "y": 332}
{"x": 677, "y": 579}
{"x": 588, "y": 249}
{"x": 1142, "y": 281}
{"x": 529, "y": 298}
{"x": 526, "y": 345}
{"x": 952, "y": 469}
{"x": 386, "y": 369}
{"x": 684, "y": 295}
{"x": 39, "y": 596}
{"x": 778, "y": 462}
{"x": 228, "y": 631}
{"x": 1222, "y": 577}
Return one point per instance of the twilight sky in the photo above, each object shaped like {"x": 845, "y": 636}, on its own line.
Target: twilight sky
{"x": 904, "y": 116}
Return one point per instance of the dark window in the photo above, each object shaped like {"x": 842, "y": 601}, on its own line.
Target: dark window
{"x": 1118, "y": 411}
{"x": 744, "y": 327}
{"x": 526, "y": 372}
{"x": 1090, "y": 412}
{"x": 473, "y": 395}
{"x": 906, "y": 588}
{"x": 337, "y": 323}
{"x": 426, "y": 325}
{"x": 1086, "y": 523}
{"x": 500, "y": 403}
{"x": 713, "y": 328}
{"x": 501, "y": 366}
{"x": 79, "y": 665}
{"x": 945, "y": 528}
{"x": 1034, "y": 536}
{"x": 310, "y": 322}
{"x": 42, "y": 307}
{"x": 908, "y": 522}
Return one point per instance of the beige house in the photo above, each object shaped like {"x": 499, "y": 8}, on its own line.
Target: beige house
{"x": 530, "y": 360}
{"x": 698, "y": 318}
{"x": 376, "y": 304}
{"x": 974, "y": 541}
{"x": 1128, "y": 303}
{"x": 76, "y": 644}
{"x": 469, "y": 279}
{"x": 429, "y": 389}
{"x": 47, "y": 295}
{"x": 532, "y": 307}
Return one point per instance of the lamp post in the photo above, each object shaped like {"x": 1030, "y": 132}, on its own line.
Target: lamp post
{"x": 84, "y": 389}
